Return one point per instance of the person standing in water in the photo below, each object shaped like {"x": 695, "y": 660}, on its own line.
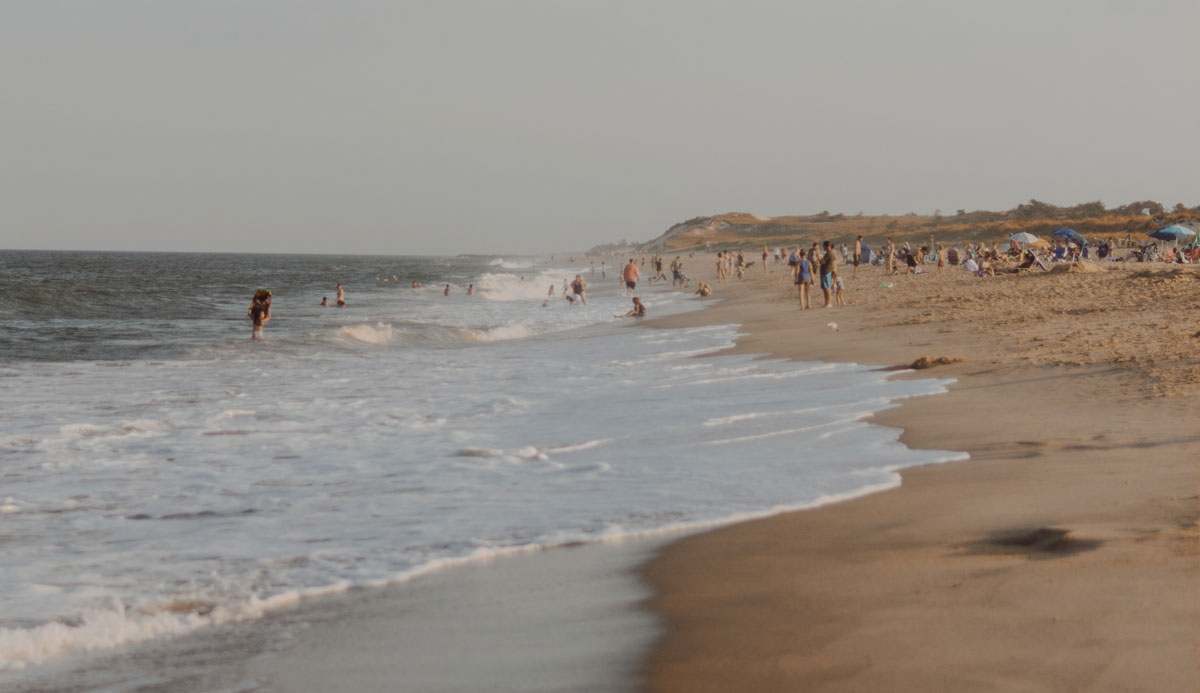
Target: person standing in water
{"x": 471, "y": 289}
{"x": 446, "y": 292}
{"x": 579, "y": 288}
{"x": 630, "y": 275}
{"x": 259, "y": 312}
{"x": 341, "y": 294}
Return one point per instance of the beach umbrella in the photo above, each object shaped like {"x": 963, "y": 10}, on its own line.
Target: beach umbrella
{"x": 1023, "y": 237}
{"x": 1070, "y": 235}
{"x": 1172, "y": 233}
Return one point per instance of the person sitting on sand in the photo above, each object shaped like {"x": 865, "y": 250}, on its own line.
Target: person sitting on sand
{"x": 704, "y": 291}
{"x": 639, "y": 310}
{"x": 259, "y": 312}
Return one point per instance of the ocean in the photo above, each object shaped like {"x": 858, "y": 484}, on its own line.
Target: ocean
{"x": 162, "y": 473}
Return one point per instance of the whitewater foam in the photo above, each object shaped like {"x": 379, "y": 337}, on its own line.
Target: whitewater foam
{"x": 404, "y": 434}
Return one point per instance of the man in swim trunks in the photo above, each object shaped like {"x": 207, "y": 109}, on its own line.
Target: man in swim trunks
{"x": 677, "y": 271}
{"x": 630, "y": 275}
{"x": 828, "y": 267}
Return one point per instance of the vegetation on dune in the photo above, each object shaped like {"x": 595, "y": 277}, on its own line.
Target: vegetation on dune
{"x": 1091, "y": 219}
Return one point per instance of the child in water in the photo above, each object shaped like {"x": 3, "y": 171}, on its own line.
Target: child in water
{"x": 260, "y": 312}
{"x": 639, "y": 310}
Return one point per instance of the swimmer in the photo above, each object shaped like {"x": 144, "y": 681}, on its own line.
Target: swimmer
{"x": 446, "y": 291}
{"x": 341, "y": 295}
{"x": 324, "y": 301}
{"x": 470, "y": 289}
{"x": 416, "y": 284}
{"x": 639, "y": 310}
{"x": 260, "y": 312}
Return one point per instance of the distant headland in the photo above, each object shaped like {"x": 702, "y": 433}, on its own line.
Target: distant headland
{"x": 1091, "y": 219}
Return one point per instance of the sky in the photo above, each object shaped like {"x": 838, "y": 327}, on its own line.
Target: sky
{"x": 449, "y": 127}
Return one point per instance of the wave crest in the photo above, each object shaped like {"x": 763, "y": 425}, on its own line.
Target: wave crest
{"x": 377, "y": 334}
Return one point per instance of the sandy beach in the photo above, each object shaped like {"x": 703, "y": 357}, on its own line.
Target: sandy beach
{"x": 1063, "y": 556}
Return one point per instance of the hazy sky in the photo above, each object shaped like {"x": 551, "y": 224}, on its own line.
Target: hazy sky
{"x": 448, "y": 127}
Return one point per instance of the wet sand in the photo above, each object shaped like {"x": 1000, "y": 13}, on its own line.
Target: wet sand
{"x": 556, "y": 621}
{"x": 1065, "y": 555}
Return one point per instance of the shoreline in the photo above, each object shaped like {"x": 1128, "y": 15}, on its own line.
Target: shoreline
{"x": 1053, "y": 559}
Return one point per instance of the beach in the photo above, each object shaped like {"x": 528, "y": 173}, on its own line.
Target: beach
{"x": 1064, "y": 555}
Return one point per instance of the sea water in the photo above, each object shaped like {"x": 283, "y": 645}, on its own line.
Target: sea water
{"x": 161, "y": 472}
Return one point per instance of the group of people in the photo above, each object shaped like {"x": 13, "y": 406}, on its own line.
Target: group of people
{"x": 807, "y": 269}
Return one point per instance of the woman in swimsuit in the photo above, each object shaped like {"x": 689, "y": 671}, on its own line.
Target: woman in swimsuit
{"x": 804, "y": 278}
{"x": 579, "y": 288}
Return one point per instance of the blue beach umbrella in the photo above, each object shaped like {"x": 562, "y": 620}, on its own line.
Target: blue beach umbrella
{"x": 1172, "y": 233}
{"x": 1070, "y": 235}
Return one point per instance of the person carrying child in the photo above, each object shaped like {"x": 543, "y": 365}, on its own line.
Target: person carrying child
{"x": 259, "y": 312}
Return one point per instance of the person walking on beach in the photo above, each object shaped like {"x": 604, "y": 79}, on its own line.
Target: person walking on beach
{"x": 765, "y": 256}
{"x": 259, "y": 312}
{"x": 630, "y": 275}
{"x": 857, "y": 254}
{"x": 828, "y": 267}
{"x": 579, "y": 288}
{"x": 677, "y": 272}
{"x": 720, "y": 266}
{"x": 804, "y": 275}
